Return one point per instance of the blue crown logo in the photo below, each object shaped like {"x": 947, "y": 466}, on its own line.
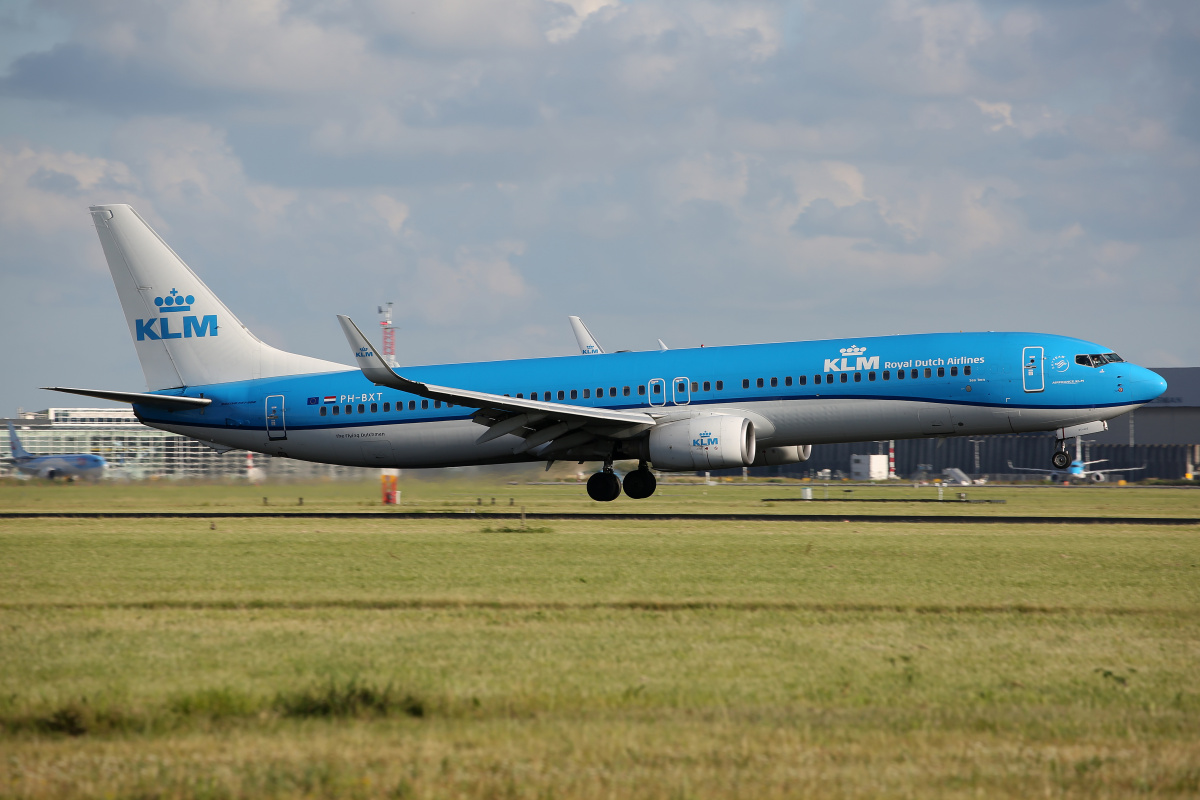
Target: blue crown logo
{"x": 706, "y": 433}
{"x": 174, "y": 301}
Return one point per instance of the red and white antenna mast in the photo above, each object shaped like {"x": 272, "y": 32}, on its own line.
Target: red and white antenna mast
{"x": 389, "y": 336}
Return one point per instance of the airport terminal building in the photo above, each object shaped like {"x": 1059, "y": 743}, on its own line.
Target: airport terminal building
{"x": 136, "y": 452}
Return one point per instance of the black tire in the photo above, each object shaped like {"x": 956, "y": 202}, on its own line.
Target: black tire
{"x": 604, "y": 487}
{"x": 640, "y": 484}
{"x": 1060, "y": 459}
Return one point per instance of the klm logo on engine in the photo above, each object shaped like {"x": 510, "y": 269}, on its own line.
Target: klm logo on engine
{"x": 706, "y": 439}
{"x": 843, "y": 364}
{"x": 189, "y": 326}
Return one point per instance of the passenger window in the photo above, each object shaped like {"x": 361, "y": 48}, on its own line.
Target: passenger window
{"x": 324, "y": 411}
{"x": 887, "y": 375}
{"x": 694, "y": 387}
{"x": 612, "y": 391}
{"x": 437, "y": 403}
{"x": 759, "y": 383}
{"x": 599, "y": 391}
{"x": 914, "y": 374}
{"x": 803, "y": 379}
{"x": 641, "y": 389}
{"x": 928, "y": 372}
{"x": 681, "y": 386}
{"x": 707, "y": 386}
{"x": 362, "y": 409}
{"x": 521, "y": 395}
{"x": 787, "y": 381}
{"x": 774, "y": 382}
{"x": 424, "y": 404}
{"x": 858, "y": 377}
{"x": 349, "y": 409}
{"x": 625, "y": 390}
{"x": 337, "y": 410}
{"x": 574, "y": 394}
{"x": 745, "y": 383}
{"x": 374, "y": 407}
{"x": 967, "y": 370}
{"x": 871, "y": 376}
{"x": 561, "y": 395}
{"x": 953, "y": 372}
{"x": 587, "y": 393}
{"x": 412, "y": 405}
{"x": 720, "y": 386}
{"x": 941, "y": 372}
{"x": 388, "y": 407}
{"x": 899, "y": 374}
{"x": 657, "y": 388}
{"x": 844, "y": 378}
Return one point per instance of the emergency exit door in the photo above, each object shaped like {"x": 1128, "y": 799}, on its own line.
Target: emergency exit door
{"x": 1032, "y": 376}
{"x": 276, "y": 427}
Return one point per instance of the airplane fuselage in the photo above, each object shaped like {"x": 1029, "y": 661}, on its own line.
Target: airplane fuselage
{"x": 796, "y": 393}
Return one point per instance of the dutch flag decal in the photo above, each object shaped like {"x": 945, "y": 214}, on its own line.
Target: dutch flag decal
{"x": 331, "y": 398}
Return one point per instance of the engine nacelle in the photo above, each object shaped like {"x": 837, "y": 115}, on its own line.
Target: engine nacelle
{"x": 777, "y": 456}
{"x": 715, "y": 442}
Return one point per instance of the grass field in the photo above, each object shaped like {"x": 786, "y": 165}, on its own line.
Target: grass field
{"x": 447, "y": 658}
{"x": 675, "y": 496}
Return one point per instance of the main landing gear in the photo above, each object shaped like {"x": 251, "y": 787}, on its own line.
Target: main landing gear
{"x": 605, "y": 486}
{"x": 640, "y": 483}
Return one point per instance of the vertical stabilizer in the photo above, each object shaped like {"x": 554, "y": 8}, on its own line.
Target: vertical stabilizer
{"x": 184, "y": 335}
{"x": 587, "y": 343}
{"x": 19, "y": 453}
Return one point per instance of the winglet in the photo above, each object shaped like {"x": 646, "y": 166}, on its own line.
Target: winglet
{"x": 373, "y": 367}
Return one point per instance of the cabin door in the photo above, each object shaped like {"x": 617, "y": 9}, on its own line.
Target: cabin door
{"x": 1032, "y": 377}
{"x": 276, "y": 428}
{"x": 681, "y": 393}
{"x": 658, "y": 392}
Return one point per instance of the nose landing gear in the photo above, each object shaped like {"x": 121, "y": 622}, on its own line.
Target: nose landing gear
{"x": 1060, "y": 459}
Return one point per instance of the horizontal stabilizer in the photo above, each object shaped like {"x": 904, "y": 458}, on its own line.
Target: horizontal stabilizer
{"x": 169, "y": 402}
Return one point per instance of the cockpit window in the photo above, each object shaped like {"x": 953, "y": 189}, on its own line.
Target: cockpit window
{"x": 1098, "y": 359}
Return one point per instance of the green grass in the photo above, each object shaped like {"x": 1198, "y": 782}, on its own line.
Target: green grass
{"x": 410, "y": 658}
{"x": 512, "y": 491}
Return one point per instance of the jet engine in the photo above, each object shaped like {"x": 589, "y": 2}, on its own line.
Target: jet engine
{"x": 715, "y": 442}
{"x": 775, "y": 456}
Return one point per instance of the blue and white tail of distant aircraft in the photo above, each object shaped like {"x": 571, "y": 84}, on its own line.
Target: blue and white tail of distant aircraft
{"x": 210, "y": 378}
{"x": 49, "y": 467}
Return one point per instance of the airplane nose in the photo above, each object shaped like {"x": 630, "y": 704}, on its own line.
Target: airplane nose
{"x": 1146, "y": 385}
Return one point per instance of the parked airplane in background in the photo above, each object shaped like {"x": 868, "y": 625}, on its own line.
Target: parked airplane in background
{"x": 693, "y": 409}
{"x": 71, "y": 465}
{"x": 1077, "y": 469}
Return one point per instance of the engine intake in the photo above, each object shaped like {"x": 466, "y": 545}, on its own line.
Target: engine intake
{"x": 719, "y": 441}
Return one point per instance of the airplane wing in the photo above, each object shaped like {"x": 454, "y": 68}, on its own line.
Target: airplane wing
{"x": 169, "y": 402}
{"x": 587, "y": 343}
{"x": 554, "y": 427}
{"x": 1115, "y": 469}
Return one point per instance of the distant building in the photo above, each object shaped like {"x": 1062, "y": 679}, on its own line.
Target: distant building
{"x": 136, "y": 452}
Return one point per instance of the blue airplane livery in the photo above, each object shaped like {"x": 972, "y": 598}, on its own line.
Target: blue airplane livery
{"x": 690, "y": 409}
{"x": 69, "y": 465}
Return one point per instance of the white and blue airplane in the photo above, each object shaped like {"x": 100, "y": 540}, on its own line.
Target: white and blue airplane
{"x": 689, "y": 409}
{"x": 68, "y": 465}
{"x": 1077, "y": 470}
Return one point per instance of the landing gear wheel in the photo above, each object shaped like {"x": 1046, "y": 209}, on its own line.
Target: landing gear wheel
{"x": 640, "y": 484}
{"x": 1060, "y": 459}
{"x": 604, "y": 487}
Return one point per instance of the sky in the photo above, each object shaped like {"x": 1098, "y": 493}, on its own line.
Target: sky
{"x": 705, "y": 173}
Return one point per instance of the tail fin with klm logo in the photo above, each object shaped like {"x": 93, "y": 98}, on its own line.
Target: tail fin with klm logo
{"x": 184, "y": 335}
